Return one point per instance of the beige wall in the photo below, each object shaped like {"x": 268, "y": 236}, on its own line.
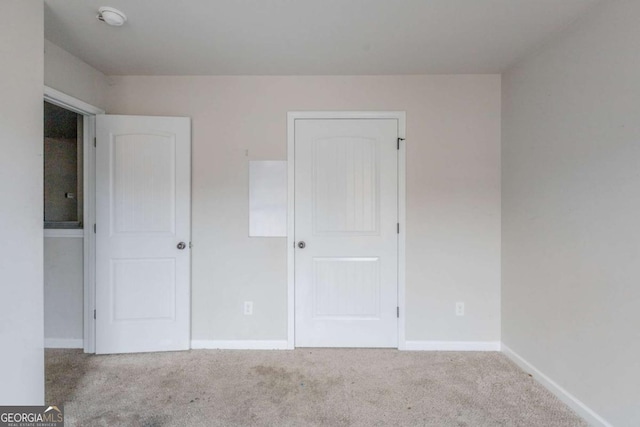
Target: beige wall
{"x": 453, "y": 184}
{"x": 571, "y": 197}
{"x": 21, "y": 307}
{"x": 66, "y": 73}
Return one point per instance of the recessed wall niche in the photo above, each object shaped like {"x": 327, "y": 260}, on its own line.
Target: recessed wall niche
{"x": 62, "y": 168}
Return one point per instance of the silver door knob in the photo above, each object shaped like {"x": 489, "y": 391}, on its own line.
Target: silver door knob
{"x": 302, "y": 245}
{"x": 182, "y": 245}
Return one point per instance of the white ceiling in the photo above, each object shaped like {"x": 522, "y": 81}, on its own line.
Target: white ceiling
{"x": 307, "y": 37}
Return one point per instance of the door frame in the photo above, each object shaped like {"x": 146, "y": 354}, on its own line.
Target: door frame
{"x": 89, "y": 113}
{"x": 292, "y": 116}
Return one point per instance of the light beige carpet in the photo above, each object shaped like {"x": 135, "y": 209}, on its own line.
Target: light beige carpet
{"x": 311, "y": 387}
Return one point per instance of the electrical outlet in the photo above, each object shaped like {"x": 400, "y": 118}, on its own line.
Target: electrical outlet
{"x": 248, "y": 308}
{"x": 459, "y": 309}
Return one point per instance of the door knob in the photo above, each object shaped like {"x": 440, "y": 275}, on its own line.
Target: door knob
{"x": 182, "y": 245}
{"x": 302, "y": 245}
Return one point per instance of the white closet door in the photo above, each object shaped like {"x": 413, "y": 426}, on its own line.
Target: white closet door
{"x": 346, "y": 215}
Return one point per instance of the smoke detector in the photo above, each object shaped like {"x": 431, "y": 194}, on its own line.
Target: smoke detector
{"x": 111, "y": 16}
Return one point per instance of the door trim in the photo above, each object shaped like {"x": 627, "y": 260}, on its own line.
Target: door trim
{"x": 88, "y": 112}
{"x": 292, "y": 116}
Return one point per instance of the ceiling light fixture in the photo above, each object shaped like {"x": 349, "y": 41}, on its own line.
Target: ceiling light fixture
{"x": 111, "y": 16}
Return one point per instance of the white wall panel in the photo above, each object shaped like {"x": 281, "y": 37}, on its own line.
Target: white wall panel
{"x": 267, "y": 198}
{"x": 63, "y": 286}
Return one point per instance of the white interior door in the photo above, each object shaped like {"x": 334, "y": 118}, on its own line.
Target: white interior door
{"x": 346, "y": 216}
{"x": 143, "y": 229}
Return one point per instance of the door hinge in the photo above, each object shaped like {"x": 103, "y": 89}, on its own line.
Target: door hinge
{"x": 95, "y": 141}
{"x": 94, "y": 314}
{"x": 398, "y": 228}
{"x": 400, "y": 139}
{"x": 398, "y": 312}
{"x": 94, "y": 229}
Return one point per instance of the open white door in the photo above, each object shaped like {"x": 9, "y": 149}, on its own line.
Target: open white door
{"x": 346, "y": 218}
{"x": 143, "y": 232}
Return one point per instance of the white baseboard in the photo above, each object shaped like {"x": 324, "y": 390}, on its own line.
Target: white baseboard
{"x": 63, "y": 343}
{"x": 570, "y": 400}
{"x": 452, "y": 346}
{"x": 240, "y": 344}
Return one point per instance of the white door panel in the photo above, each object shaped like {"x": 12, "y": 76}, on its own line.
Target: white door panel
{"x": 346, "y": 213}
{"x": 143, "y": 202}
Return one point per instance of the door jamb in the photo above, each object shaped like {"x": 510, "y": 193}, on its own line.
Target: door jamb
{"x": 291, "y": 118}
{"x": 89, "y": 113}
